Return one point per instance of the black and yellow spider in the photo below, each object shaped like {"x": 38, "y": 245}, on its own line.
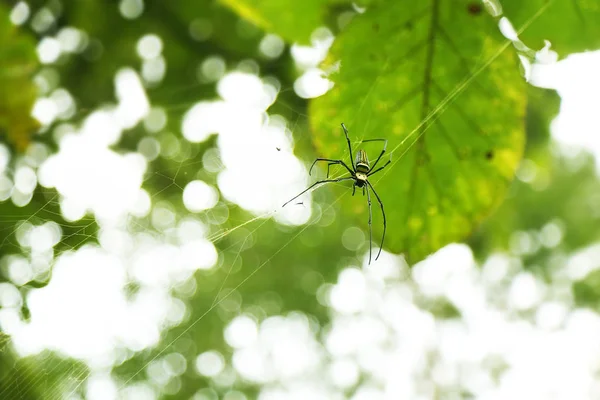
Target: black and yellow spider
{"x": 359, "y": 173}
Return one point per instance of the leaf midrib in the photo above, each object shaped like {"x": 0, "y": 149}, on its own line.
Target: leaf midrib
{"x": 431, "y": 37}
{"x": 427, "y": 78}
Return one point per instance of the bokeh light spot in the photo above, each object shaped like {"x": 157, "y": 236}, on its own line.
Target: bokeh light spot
{"x": 212, "y": 69}
{"x": 131, "y": 9}
{"x": 271, "y": 46}
{"x": 210, "y": 363}
{"x": 241, "y": 332}
{"x": 201, "y": 29}
{"x": 198, "y": 196}
{"x": 353, "y": 238}
{"x": 20, "y": 13}
{"x": 48, "y": 50}
{"x": 149, "y": 46}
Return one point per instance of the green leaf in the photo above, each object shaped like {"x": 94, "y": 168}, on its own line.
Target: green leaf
{"x": 571, "y": 26}
{"x": 453, "y": 169}
{"x": 293, "y": 20}
{"x": 18, "y": 63}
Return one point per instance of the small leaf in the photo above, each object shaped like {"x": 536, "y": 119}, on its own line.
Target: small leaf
{"x": 18, "y": 63}
{"x": 451, "y": 170}
{"x": 571, "y": 26}
{"x": 292, "y": 20}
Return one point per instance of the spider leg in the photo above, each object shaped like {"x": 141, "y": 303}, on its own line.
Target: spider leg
{"x": 382, "y": 151}
{"x": 315, "y": 184}
{"x": 349, "y": 146}
{"x": 383, "y": 213}
{"x": 370, "y": 229}
{"x": 331, "y": 162}
{"x": 353, "y": 189}
{"x": 380, "y": 168}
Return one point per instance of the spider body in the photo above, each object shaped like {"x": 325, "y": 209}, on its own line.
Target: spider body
{"x": 359, "y": 174}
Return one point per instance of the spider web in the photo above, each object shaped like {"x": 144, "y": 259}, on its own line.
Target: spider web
{"x": 249, "y": 228}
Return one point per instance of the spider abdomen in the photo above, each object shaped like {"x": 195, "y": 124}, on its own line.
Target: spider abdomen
{"x": 362, "y": 162}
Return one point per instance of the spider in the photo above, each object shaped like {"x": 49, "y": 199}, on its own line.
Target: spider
{"x": 359, "y": 173}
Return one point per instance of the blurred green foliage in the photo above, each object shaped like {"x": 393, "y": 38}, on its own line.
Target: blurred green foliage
{"x": 18, "y": 63}
{"x": 395, "y": 70}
